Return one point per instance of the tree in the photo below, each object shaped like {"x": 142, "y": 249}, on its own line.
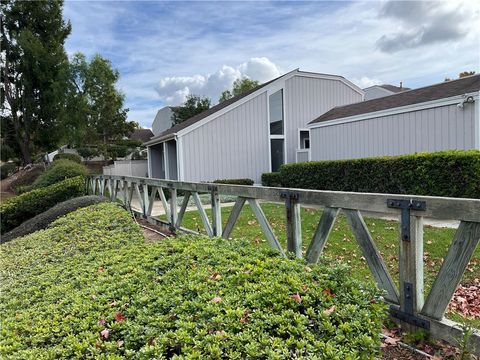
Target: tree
{"x": 192, "y": 106}
{"x": 240, "y": 86}
{"x": 96, "y": 106}
{"x": 33, "y": 74}
{"x": 462, "y": 75}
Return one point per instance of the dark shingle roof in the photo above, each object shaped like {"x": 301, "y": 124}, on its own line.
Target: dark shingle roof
{"x": 141, "y": 134}
{"x": 212, "y": 110}
{"x": 433, "y": 92}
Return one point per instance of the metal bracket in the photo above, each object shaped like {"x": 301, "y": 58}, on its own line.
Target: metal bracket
{"x": 406, "y": 206}
{"x": 408, "y": 315}
{"x": 212, "y": 188}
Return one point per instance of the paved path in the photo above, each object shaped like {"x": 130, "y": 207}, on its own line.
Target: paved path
{"x": 451, "y": 224}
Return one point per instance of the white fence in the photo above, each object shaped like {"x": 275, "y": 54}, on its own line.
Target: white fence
{"x": 127, "y": 168}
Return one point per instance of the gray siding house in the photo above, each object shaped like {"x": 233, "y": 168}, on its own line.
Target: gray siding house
{"x": 250, "y": 134}
{"x": 444, "y": 116}
{"x": 378, "y": 91}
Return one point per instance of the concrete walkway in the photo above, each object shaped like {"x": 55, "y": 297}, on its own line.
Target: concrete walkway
{"x": 158, "y": 210}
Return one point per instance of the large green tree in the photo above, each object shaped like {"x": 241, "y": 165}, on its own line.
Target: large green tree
{"x": 34, "y": 68}
{"x": 192, "y": 106}
{"x": 240, "y": 86}
{"x": 97, "y": 116}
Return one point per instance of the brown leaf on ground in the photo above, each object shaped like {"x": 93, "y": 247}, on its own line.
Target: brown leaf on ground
{"x": 466, "y": 300}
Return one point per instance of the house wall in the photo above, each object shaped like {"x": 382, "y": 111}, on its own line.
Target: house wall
{"x": 127, "y": 168}
{"x": 440, "y": 128}
{"x": 162, "y": 121}
{"x": 308, "y": 98}
{"x": 156, "y": 161}
{"x": 233, "y": 145}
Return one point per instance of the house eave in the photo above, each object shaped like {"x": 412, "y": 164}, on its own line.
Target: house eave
{"x": 160, "y": 139}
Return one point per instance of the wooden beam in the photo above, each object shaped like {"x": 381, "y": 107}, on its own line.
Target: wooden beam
{"x": 173, "y": 207}
{"x": 464, "y": 244}
{"x": 146, "y": 199}
{"x": 265, "y": 225}
{"x": 232, "y": 219}
{"x": 136, "y": 186}
{"x": 294, "y": 227}
{"x": 436, "y": 207}
{"x": 216, "y": 213}
{"x": 183, "y": 208}
{"x": 372, "y": 255}
{"x": 166, "y": 208}
{"x": 321, "y": 235}
{"x": 151, "y": 200}
{"x": 203, "y": 214}
{"x": 411, "y": 270}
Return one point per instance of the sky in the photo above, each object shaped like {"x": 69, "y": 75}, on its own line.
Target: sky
{"x": 167, "y": 50}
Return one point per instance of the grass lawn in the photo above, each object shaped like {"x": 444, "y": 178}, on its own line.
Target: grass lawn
{"x": 342, "y": 247}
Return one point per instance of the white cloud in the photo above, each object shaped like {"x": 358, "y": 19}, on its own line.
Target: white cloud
{"x": 174, "y": 90}
{"x": 365, "y": 82}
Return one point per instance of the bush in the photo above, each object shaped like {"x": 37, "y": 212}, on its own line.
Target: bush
{"x": 66, "y": 156}
{"x": 88, "y": 152}
{"x": 41, "y": 221}
{"x": 235, "y": 181}
{"x": 271, "y": 179}
{"x": 90, "y": 287}
{"x": 6, "y": 170}
{"x": 58, "y": 171}
{"x": 445, "y": 173}
{"x": 17, "y": 209}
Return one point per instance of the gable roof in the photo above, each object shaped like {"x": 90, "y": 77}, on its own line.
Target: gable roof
{"x": 196, "y": 118}
{"x": 429, "y": 93}
{"x": 141, "y": 135}
{"x": 170, "y": 133}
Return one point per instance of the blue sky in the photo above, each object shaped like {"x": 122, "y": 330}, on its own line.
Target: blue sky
{"x": 166, "y": 50}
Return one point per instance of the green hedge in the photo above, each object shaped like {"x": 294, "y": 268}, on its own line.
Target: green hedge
{"x": 235, "y": 181}
{"x": 60, "y": 170}
{"x": 17, "y": 209}
{"x": 90, "y": 287}
{"x": 66, "y": 156}
{"x": 272, "y": 179}
{"x": 445, "y": 173}
{"x": 7, "y": 169}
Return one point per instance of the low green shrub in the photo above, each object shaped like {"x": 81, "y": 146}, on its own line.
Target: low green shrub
{"x": 60, "y": 170}
{"x": 7, "y": 169}
{"x": 445, "y": 173}
{"x": 26, "y": 177}
{"x": 235, "y": 181}
{"x": 17, "y": 209}
{"x": 90, "y": 287}
{"x": 66, "y": 156}
{"x": 88, "y": 152}
{"x": 271, "y": 179}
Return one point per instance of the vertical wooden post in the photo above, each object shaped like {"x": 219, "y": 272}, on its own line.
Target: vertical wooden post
{"x": 411, "y": 270}
{"x": 146, "y": 199}
{"x": 294, "y": 226}
{"x": 216, "y": 212}
{"x": 173, "y": 208}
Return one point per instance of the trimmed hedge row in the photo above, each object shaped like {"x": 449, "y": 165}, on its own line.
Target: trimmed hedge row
{"x": 272, "y": 179}
{"x": 90, "y": 287}
{"x": 235, "y": 181}
{"x": 17, "y": 209}
{"x": 60, "y": 170}
{"x": 66, "y": 156}
{"x": 445, "y": 173}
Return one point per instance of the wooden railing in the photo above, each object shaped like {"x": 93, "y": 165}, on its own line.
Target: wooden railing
{"x": 408, "y": 305}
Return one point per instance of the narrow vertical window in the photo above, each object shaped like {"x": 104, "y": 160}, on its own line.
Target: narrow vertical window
{"x": 276, "y": 146}
{"x": 276, "y": 113}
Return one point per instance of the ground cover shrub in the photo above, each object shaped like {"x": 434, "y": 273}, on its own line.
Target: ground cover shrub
{"x": 444, "y": 173}
{"x": 272, "y": 179}
{"x": 234, "y": 181}
{"x": 89, "y": 286}
{"x": 66, "y": 156}
{"x": 41, "y": 221}
{"x": 60, "y": 170}
{"x": 17, "y": 209}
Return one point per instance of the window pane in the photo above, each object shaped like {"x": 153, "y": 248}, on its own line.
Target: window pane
{"x": 276, "y": 113}
{"x": 277, "y": 153}
{"x": 304, "y": 139}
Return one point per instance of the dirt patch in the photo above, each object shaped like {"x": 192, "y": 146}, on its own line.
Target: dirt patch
{"x": 22, "y": 177}
{"x": 395, "y": 352}
{"x": 153, "y": 233}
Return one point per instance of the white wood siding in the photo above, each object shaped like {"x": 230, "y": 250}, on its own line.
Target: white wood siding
{"x": 441, "y": 128}
{"x": 308, "y": 98}
{"x": 233, "y": 145}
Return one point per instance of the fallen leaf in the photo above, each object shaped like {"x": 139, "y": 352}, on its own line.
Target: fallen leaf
{"x": 297, "y": 298}
{"x": 105, "y": 333}
{"x": 120, "y": 343}
{"x": 329, "y": 310}
{"x": 101, "y": 322}
{"x": 216, "y": 299}
{"x": 101, "y": 270}
{"x": 119, "y": 317}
